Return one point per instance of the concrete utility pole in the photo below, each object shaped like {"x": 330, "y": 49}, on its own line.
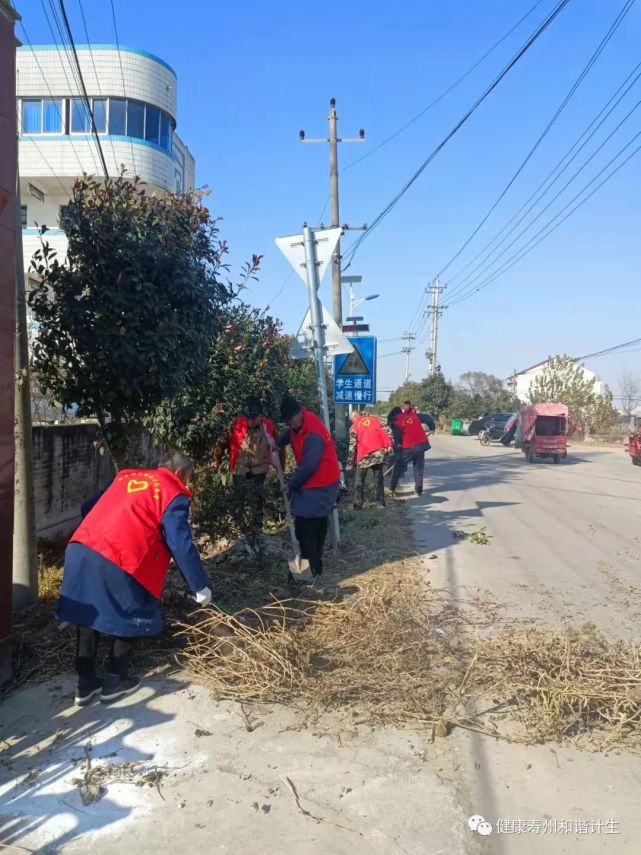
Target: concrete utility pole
{"x": 340, "y": 410}
{"x": 409, "y": 347}
{"x": 434, "y": 312}
{"x": 8, "y": 170}
{"x": 25, "y": 567}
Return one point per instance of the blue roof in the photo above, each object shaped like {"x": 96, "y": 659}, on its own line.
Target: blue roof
{"x": 123, "y": 48}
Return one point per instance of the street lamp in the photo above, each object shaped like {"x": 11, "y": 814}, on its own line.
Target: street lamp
{"x": 354, "y": 303}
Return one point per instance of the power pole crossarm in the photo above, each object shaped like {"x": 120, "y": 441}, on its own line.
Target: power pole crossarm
{"x": 407, "y": 350}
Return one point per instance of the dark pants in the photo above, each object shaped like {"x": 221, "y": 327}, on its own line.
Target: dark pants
{"x": 417, "y": 458}
{"x": 311, "y": 533}
{"x": 359, "y": 483}
{"x": 253, "y": 496}
{"x": 119, "y": 654}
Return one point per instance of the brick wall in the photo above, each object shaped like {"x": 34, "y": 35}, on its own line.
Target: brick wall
{"x": 67, "y": 471}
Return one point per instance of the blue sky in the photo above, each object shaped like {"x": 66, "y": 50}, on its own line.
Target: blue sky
{"x": 251, "y": 77}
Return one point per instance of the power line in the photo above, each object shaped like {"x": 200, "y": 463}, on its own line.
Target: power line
{"x": 471, "y": 278}
{"x": 613, "y": 28}
{"x": 521, "y": 253}
{"x": 520, "y": 53}
{"x": 122, "y": 74}
{"x": 95, "y": 71}
{"x": 590, "y": 131}
{"x": 84, "y": 89}
{"x": 608, "y": 350}
{"x": 64, "y": 61}
{"x": 54, "y": 100}
{"x": 445, "y": 92}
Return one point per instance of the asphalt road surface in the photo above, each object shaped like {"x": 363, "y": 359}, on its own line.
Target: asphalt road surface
{"x": 565, "y": 540}
{"x": 565, "y": 549}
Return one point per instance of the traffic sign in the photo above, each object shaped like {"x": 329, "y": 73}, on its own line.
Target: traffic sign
{"x": 335, "y": 341}
{"x": 355, "y": 373}
{"x": 293, "y": 248}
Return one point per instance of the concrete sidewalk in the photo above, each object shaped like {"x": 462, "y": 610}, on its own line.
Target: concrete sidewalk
{"x": 224, "y": 788}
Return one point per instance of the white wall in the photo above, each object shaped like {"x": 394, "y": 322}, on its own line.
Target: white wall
{"x": 55, "y": 157}
{"x": 145, "y": 79}
{"x": 525, "y": 380}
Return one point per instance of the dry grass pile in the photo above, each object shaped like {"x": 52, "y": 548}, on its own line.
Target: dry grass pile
{"x": 565, "y": 685}
{"x": 398, "y": 652}
{"x": 389, "y": 651}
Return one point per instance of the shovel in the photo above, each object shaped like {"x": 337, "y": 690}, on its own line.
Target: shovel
{"x": 298, "y": 567}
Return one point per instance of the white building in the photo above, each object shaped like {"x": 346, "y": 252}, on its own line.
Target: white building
{"x": 520, "y": 382}
{"x": 133, "y": 96}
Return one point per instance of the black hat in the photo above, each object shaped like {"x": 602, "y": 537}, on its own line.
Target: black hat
{"x": 253, "y": 408}
{"x": 289, "y": 407}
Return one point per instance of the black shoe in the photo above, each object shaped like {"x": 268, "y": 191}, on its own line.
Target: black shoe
{"x": 418, "y": 492}
{"x": 381, "y": 503}
{"x": 87, "y": 691}
{"x": 357, "y": 507}
{"x": 115, "y": 686}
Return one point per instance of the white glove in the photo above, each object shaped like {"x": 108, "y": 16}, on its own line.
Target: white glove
{"x": 203, "y": 597}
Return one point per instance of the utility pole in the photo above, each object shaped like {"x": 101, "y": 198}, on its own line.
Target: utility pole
{"x": 340, "y": 426}
{"x": 318, "y": 334}
{"x": 409, "y": 347}
{"x": 8, "y": 226}
{"x": 434, "y": 312}
{"x": 25, "y": 567}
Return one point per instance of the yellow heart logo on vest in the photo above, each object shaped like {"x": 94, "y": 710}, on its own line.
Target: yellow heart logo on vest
{"x": 134, "y": 486}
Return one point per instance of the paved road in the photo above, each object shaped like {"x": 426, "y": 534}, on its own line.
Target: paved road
{"x": 565, "y": 547}
{"x": 565, "y": 539}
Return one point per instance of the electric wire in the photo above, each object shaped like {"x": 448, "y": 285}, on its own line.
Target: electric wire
{"x": 94, "y": 130}
{"x": 64, "y": 61}
{"x": 550, "y": 180}
{"x": 445, "y": 92}
{"x": 122, "y": 74}
{"x": 55, "y": 101}
{"x": 472, "y": 277}
{"x": 522, "y": 252}
{"x": 573, "y": 89}
{"x": 487, "y": 92}
{"x": 95, "y": 71}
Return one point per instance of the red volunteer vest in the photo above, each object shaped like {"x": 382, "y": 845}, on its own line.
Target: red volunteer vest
{"x": 238, "y": 434}
{"x": 328, "y": 471}
{"x": 124, "y": 525}
{"x": 411, "y": 429}
{"x": 370, "y": 436}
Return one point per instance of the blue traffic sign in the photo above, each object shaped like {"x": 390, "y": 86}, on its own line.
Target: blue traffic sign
{"x": 355, "y": 373}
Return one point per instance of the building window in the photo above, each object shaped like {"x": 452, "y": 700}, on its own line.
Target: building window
{"x": 117, "y": 116}
{"x": 80, "y": 121}
{"x": 99, "y": 108}
{"x": 136, "y": 120}
{"x": 23, "y": 216}
{"x": 52, "y": 117}
{"x": 152, "y": 124}
{"x": 32, "y": 117}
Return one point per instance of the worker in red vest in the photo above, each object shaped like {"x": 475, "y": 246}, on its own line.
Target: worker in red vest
{"x": 247, "y": 444}
{"x": 313, "y": 487}
{"x": 115, "y": 568}
{"x": 412, "y": 444}
{"x": 369, "y": 445}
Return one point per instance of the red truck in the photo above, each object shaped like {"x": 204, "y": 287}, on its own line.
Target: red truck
{"x": 545, "y": 428}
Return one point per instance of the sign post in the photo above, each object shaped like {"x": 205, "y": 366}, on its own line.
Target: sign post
{"x": 301, "y": 252}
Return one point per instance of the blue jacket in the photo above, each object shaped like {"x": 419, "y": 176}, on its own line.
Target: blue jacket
{"x": 314, "y": 502}
{"x": 96, "y": 593}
